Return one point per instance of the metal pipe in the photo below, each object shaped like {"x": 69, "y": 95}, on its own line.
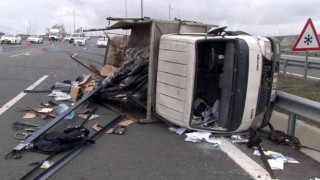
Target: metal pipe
{"x": 22, "y": 145}
{"x": 77, "y": 150}
{"x": 291, "y": 124}
{"x": 74, "y": 21}
{"x": 298, "y": 100}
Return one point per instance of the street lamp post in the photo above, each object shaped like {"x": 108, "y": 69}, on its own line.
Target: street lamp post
{"x": 30, "y": 23}
{"x": 170, "y": 8}
{"x": 125, "y": 6}
{"x": 141, "y": 8}
{"x": 74, "y": 20}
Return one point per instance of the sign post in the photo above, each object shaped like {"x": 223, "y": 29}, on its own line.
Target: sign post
{"x": 306, "y": 65}
{"x": 307, "y": 41}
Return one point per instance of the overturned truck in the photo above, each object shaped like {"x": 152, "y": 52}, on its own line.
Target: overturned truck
{"x": 196, "y": 75}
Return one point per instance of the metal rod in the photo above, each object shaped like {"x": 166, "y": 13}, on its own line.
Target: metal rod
{"x": 88, "y": 117}
{"x": 291, "y": 124}
{"x": 77, "y": 150}
{"x": 169, "y": 12}
{"x": 120, "y": 19}
{"x": 54, "y": 121}
{"x": 96, "y": 29}
{"x": 265, "y": 162}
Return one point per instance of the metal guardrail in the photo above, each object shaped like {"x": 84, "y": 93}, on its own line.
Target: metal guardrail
{"x": 297, "y": 63}
{"x": 297, "y": 106}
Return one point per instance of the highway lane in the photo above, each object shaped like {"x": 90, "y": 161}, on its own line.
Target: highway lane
{"x": 300, "y": 70}
{"x": 145, "y": 152}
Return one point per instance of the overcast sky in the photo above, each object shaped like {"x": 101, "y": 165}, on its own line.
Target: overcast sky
{"x": 258, "y": 17}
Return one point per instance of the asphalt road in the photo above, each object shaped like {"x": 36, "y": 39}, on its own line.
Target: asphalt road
{"x": 148, "y": 151}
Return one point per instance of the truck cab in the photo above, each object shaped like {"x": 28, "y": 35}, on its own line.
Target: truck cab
{"x": 201, "y": 78}
{"x": 216, "y": 83}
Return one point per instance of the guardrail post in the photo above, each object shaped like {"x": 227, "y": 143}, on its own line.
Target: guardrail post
{"x": 291, "y": 124}
{"x": 285, "y": 67}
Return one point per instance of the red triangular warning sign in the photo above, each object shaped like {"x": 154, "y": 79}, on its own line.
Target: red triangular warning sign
{"x": 308, "y": 39}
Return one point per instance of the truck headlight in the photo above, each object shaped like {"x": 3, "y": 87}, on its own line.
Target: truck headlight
{"x": 265, "y": 47}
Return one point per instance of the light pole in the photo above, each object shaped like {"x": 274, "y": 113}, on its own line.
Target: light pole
{"x": 125, "y": 8}
{"x": 170, "y": 8}
{"x": 141, "y": 8}
{"x": 169, "y": 12}
{"x": 30, "y": 22}
{"x": 74, "y": 19}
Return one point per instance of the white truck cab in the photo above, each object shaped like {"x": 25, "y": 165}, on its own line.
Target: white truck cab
{"x": 216, "y": 83}
{"x": 55, "y": 34}
{"x": 201, "y": 76}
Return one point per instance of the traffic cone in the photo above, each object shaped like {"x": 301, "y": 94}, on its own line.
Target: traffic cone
{"x": 28, "y": 43}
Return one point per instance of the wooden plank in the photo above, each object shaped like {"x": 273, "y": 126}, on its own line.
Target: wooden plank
{"x": 171, "y": 91}
{"x": 174, "y": 80}
{"x": 173, "y": 56}
{"x": 173, "y": 68}
{"x": 170, "y": 102}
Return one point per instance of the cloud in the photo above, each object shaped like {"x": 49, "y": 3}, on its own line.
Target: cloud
{"x": 265, "y": 17}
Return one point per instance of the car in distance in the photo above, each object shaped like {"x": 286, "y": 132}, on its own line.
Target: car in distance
{"x": 11, "y": 38}
{"x": 102, "y": 42}
{"x": 75, "y": 35}
{"x": 35, "y": 39}
{"x": 81, "y": 41}
{"x": 67, "y": 38}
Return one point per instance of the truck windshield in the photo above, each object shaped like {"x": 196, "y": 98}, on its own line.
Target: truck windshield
{"x": 53, "y": 34}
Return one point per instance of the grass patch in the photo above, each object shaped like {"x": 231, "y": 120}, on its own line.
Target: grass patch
{"x": 311, "y": 91}
{"x": 295, "y": 87}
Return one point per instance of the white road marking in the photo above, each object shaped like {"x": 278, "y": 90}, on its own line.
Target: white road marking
{"x": 19, "y": 96}
{"x": 246, "y": 163}
{"x": 294, "y": 74}
{"x": 27, "y": 54}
